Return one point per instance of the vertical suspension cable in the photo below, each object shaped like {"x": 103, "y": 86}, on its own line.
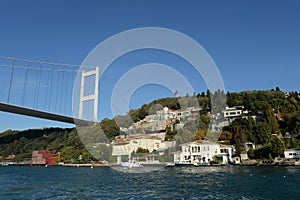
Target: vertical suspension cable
{"x": 73, "y": 77}
{"x": 47, "y": 90}
{"x": 36, "y": 89}
{"x": 11, "y": 79}
{"x": 24, "y": 86}
{"x": 66, "y": 92}
{"x": 56, "y": 94}
{"x": 39, "y": 82}
{"x": 51, "y": 83}
{"x": 61, "y": 90}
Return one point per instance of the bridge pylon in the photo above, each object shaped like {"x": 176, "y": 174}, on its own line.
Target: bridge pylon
{"x": 91, "y": 97}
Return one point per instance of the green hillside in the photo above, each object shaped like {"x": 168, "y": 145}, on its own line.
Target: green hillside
{"x": 277, "y": 127}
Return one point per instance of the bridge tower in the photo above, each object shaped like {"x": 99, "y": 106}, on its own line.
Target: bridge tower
{"x": 91, "y": 97}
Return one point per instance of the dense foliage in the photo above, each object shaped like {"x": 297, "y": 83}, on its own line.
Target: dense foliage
{"x": 22, "y": 143}
{"x": 272, "y": 124}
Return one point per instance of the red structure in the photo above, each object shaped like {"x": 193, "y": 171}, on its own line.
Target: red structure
{"x": 43, "y": 157}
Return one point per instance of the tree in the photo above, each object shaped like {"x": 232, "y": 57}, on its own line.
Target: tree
{"x": 110, "y": 128}
{"x": 277, "y": 89}
{"x": 295, "y": 124}
{"x": 226, "y": 136}
{"x": 271, "y": 120}
{"x": 261, "y": 133}
{"x": 250, "y": 153}
{"x": 141, "y": 150}
{"x": 277, "y": 146}
{"x": 200, "y": 134}
{"x": 69, "y": 154}
{"x": 204, "y": 122}
{"x": 170, "y": 134}
{"x": 142, "y": 112}
{"x": 239, "y": 148}
{"x": 263, "y": 152}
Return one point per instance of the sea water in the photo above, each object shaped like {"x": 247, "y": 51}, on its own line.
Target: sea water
{"x": 228, "y": 182}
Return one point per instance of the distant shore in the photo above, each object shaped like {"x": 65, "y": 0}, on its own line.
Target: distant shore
{"x": 245, "y": 163}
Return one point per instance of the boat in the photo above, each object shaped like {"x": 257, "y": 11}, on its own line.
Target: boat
{"x": 170, "y": 164}
{"x": 131, "y": 164}
{"x": 201, "y": 164}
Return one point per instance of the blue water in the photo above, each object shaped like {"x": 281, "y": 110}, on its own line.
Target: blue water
{"x": 232, "y": 182}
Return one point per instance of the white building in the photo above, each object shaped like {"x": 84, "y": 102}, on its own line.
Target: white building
{"x": 292, "y": 153}
{"x": 233, "y": 112}
{"x": 203, "y": 152}
{"x": 126, "y": 146}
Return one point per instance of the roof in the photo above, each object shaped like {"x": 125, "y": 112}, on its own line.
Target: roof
{"x": 10, "y": 157}
{"x": 199, "y": 142}
{"x": 225, "y": 146}
{"x": 120, "y": 141}
{"x": 143, "y": 136}
{"x": 295, "y": 149}
{"x": 152, "y": 155}
{"x": 127, "y": 140}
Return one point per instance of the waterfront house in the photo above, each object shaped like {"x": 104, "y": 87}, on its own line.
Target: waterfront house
{"x": 203, "y": 152}
{"x": 292, "y": 153}
{"x": 9, "y": 160}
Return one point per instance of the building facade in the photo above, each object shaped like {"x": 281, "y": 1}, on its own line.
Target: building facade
{"x": 43, "y": 157}
{"x": 127, "y": 146}
{"x": 233, "y": 112}
{"x": 203, "y": 152}
{"x": 292, "y": 153}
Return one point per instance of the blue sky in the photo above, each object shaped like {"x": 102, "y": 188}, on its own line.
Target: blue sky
{"x": 255, "y": 44}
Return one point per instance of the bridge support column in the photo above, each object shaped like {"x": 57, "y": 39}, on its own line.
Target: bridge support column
{"x": 90, "y": 97}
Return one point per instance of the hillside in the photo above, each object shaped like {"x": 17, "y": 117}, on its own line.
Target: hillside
{"x": 22, "y": 143}
{"x": 277, "y": 126}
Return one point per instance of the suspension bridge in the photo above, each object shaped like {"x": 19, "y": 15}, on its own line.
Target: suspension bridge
{"x": 45, "y": 90}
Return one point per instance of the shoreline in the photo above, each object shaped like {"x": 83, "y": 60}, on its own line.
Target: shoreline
{"x": 283, "y": 164}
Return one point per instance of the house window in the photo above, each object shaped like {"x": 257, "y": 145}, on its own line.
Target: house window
{"x": 223, "y": 150}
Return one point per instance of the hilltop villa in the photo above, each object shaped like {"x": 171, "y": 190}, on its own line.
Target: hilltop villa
{"x": 130, "y": 144}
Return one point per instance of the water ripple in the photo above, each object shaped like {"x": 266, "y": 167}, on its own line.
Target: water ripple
{"x": 168, "y": 183}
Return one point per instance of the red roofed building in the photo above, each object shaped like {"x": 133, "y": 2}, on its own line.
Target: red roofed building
{"x": 43, "y": 157}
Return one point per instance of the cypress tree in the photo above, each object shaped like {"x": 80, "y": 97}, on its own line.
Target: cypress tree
{"x": 271, "y": 120}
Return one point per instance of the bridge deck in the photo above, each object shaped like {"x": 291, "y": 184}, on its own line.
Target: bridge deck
{"x": 42, "y": 114}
